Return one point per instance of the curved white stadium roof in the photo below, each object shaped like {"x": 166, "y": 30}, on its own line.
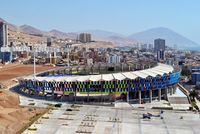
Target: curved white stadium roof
{"x": 159, "y": 70}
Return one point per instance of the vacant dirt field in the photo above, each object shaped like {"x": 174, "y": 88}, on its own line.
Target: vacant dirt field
{"x": 11, "y": 71}
{"x": 12, "y": 116}
{"x": 15, "y": 70}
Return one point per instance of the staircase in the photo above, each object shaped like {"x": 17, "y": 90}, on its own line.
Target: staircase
{"x": 185, "y": 91}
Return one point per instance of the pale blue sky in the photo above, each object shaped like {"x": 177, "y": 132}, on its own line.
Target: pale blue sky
{"x": 121, "y": 16}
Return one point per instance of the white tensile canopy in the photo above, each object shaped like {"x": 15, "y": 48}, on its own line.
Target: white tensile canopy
{"x": 83, "y": 78}
{"x": 140, "y": 74}
{"x": 159, "y": 70}
{"x": 107, "y": 77}
{"x": 149, "y": 73}
{"x": 119, "y": 76}
{"x": 70, "y": 78}
{"x": 130, "y": 75}
{"x": 95, "y": 77}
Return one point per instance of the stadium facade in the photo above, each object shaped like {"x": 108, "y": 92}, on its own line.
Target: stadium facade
{"x": 156, "y": 82}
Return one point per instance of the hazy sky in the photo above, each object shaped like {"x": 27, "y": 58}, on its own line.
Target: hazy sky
{"x": 121, "y": 16}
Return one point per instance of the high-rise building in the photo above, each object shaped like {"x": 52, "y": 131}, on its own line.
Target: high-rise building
{"x": 84, "y": 37}
{"x": 160, "y": 55}
{"x": 159, "y": 48}
{"x": 159, "y": 44}
{"x": 3, "y": 34}
{"x": 143, "y": 46}
{"x": 150, "y": 46}
{"x": 49, "y": 41}
{"x": 196, "y": 75}
{"x": 114, "y": 59}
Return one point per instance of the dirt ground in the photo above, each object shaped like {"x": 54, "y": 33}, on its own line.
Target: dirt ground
{"x": 15, "y": 70}
{"x": 12, "y": 116}
{"x": 12, "y": 71}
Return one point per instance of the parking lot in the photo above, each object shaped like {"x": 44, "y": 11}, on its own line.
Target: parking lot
{"x": 74, "y": 119}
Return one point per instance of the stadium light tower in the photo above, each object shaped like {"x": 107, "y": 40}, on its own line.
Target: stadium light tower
{"x": 34, "y": 67}
{"x": 68, "y": 59}
{"x": 68, "y": 47}
{"x": 36, "y": 48}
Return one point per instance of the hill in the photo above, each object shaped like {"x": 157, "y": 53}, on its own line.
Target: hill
{"x": 172, "y": 38}
{"x": 12, "y": 116}
{"x": 26, "y": 33}
{"x": 62, "y": 35}
{"x": 116, "y": 38}
{"x": 31, "y": 30}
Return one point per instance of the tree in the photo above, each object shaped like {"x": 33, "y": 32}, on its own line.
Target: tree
{"x": 193, "y": 94}
{"x": 185, "y": 71}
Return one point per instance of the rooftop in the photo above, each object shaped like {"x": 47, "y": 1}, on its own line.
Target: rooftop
{"x": 160, "y": 69}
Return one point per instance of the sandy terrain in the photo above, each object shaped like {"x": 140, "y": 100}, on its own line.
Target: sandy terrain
{"x": 15, "y": 70}
{"x": 13, "y": 117}
{"x": 11, "y": 71}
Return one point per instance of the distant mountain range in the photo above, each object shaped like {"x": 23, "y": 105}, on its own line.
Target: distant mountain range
{"x": 116, "y": 38}
{"x": 172, "y": 38}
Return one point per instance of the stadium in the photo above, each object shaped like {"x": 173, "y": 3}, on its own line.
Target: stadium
{"x": 133, "y": 86}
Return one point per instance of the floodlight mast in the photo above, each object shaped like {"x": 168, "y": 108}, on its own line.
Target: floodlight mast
{"x": 68, "y": 59}
{"x": 68, "y": 54}
{"x": 35, "y": 48}
{"x": 34, "y": 67}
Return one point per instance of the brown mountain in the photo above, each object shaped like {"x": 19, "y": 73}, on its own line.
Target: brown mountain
{"x": 10, "y": 26}
{"x": 31, "y": 30}
{"x": 62, "y": 35}
{"x": 30, "y": 34}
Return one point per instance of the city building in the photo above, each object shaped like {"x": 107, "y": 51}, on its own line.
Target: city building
{"x": 160, "y": 55}
{"x": 196, "y": 78}
{"x": 49, "y": 42}
{"x": 90, "y": 62}
{"x": 3, "y": 34}
{"x": 85, "y": 37}
{"x": 143, "y": 46}
{"x": 113, "y": 59}
{"x": 195, "y": 69}
{"x": 159, "y": 48}
{"x": 159, "y": 44}
{"x": 6, "y": 56}
{"x": 196, "y": 75}
{"x": 51, "y": 58}
{"x": 150, "y": 46}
